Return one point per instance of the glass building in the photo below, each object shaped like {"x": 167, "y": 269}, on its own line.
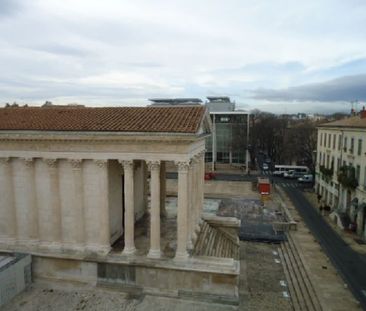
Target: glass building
{"x": 228, "y": 142}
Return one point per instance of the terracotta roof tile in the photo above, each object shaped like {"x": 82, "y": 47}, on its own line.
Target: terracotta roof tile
{"x": 112, "y": 119}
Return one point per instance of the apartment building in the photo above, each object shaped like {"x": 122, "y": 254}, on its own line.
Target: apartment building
{"x": 341, "y": 168}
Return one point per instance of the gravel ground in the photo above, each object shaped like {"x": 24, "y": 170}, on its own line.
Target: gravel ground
{"x": 52, "y": 297}
{"x": 263, "y": 276}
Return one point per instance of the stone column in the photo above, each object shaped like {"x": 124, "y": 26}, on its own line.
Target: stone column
{"x": 190, "y": 208}
{"x": 182, "y": 213}
{"x": 79, "y": 232}
{"x": 129, "y": 216}
{"x": 162, "y": 188}
{"x": 194, "y": 193}
{"x": 154, "y": 167}
{"x": 8, "y": 223}
{"x": 201, "y": 183}
{"x": 96, "y": 206}
{"x": 25, "y": 201}
{"x": 49, "y": 207}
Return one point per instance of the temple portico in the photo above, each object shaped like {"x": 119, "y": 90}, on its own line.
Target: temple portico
{"x": 83, "y": 191}
{"x": 64, "y": 191}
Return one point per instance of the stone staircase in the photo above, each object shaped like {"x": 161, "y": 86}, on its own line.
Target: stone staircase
{"x": 216, "y": 242}
{"x": 301, "y": 289}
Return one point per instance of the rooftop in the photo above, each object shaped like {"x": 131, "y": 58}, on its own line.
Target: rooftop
{"x": 351, "y": 122}
{"x": 176, "y": 119}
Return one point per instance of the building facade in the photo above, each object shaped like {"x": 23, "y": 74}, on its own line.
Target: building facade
{"x": 341, "y": 168}
{"x": 228, "y": 143}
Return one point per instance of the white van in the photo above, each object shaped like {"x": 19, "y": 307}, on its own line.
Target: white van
{"x": 280, "y": 170}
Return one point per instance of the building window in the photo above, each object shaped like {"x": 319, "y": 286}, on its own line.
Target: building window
{"x": 334, "y": 141}
{"x": 327, "y": 166}
{"x": 223, "y": 157}
{"x": 339, "y": 142}
{"x": 338, "y": 164}
{"x": 325, "y": 140}
{"x": 359, "y": 149}
{"x": 208, "y": 157}
{"x": 345, "y": 144}
{"x": 352, "y": 145}
{"x": 329, "y": 140}
{"x": 358, "y": 169}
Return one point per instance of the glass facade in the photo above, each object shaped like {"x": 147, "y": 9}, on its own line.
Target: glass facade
{"x": 231, "y": 138}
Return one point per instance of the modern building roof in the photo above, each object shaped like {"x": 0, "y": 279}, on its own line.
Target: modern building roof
{"x": 113, "y": 119}
{"x": 351, "y": 122}
{"x": 219, "y": 98}
{"x": 175, "y": 101}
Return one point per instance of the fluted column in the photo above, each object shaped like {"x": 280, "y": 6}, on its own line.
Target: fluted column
{"x": 194, "y": 194}
{"x": 25, "y": 201}
{"x": 8, "y": 223}
{"x": 162, "y": 188}
{"x": 49, "y": 207}
{"x": 190, "y": 207}
{"x": 182, "y": 213}
{"x": 154, "y": 167}
{"x": 201, "y": 183}
{"x": 78, "y": 198}
{"x": 96, "y": 206}
{"x": 129, "y": 216}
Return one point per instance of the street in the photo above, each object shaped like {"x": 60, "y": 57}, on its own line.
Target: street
{"x": 350, "y": 265}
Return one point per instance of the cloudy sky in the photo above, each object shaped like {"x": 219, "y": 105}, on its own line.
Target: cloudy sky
{"x": 279, "y": 56}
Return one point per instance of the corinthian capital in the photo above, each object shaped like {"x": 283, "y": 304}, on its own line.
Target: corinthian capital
{"x": 51, "y": 162}
{"x": 153, "y": 165}
{"x": 183, "y": 166}
{"x": 101, "y": 163}
{"x": 28, "y": 162}
{"x": 4, "y": 161}
{"x": 76, "y": 163}
{"x": 127, "y": 164}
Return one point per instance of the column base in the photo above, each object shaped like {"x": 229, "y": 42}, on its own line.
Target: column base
{"x": 27, "y": 244}
{"x": 190, "y": 245}
{"x": 181, "y": 256}
{"x": 98, "y": 249}
{"x": 50, "y": 246}
{"x": 129, "y": 251}
{"x": 154, "y": 254}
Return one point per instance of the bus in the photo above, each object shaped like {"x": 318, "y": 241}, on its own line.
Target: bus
{"x": 280, "y": 170}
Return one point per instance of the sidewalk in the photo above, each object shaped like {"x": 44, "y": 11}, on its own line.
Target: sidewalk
{"x": 348, "y": 237}
{"x": 332, "y": 292}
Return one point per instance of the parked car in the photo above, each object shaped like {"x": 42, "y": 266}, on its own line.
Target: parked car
{"x": 265, "y": 167}
{"x": 306, "y": 179}
{"x": 293, "y": 174}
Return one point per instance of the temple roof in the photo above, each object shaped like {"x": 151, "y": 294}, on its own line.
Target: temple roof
{"x": 107, "y": 119}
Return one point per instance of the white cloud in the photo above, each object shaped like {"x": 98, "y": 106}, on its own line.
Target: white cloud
{"x": 121, "y": 50}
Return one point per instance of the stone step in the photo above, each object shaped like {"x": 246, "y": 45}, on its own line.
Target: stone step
{"x": 212, "y": 241}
